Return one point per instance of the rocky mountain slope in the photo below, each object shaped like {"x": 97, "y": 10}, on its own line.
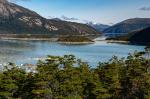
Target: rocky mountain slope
{"x": 129, "y": 25}
{"x": 18, "y": 20}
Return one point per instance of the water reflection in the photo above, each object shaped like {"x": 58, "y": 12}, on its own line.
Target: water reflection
{"x": 30, "y": 51}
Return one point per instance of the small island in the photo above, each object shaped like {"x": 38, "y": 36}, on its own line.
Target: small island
{"x": 75, "y": 40}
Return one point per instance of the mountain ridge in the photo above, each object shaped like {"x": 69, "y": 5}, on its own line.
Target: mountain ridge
{"x": 15, "y": 19}
{"x": 129, "y": 25}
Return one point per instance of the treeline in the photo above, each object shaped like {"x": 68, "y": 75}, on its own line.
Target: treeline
{"x": 69, "y": 78}
{"x": 75, "y": 39}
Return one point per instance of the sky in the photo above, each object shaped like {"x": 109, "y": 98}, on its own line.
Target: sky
{"x": 98, "y": 11}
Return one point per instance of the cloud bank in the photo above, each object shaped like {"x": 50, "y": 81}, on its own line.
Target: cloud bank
{"x": 145, "y": 9}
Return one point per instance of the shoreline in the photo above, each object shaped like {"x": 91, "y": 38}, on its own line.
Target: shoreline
{"x": 116, "y": 41}
{"x": 54, "y": 39}
{"x": 76, "y": 43}
{"x": 45, "y": 39}
{"x": 32, "y": 39}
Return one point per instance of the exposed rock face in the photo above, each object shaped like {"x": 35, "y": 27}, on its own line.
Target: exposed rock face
{"x": 8, "y": 9}
{"x": 15, "y": 19}
{"x": 3, "y": 1}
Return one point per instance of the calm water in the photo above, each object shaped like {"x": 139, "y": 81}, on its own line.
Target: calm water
{"x": 30, "y": 51}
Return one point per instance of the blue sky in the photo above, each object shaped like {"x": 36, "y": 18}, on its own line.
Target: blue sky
{"x": 102, "y": 11}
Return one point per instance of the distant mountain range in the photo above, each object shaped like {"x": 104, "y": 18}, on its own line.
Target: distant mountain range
{"x": 98, "y": 27}
{"x": 15, "y": 19}
{"x": 129, "y": 25}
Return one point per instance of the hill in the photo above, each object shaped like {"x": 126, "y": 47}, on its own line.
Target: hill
{"x": 141, "y": 37}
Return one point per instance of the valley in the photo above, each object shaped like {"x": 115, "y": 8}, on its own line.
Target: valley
{"x": 74, "y": 49}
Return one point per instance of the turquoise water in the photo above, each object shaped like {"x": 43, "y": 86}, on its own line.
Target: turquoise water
{"x": 30, "y": 51}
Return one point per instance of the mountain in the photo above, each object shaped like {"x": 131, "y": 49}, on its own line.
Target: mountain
{"x": 141, "y": 37}
{"x": 18, "y": 20}
{"x": 98, "y": 27}
{"x": 128, "y": 25}
{"x": 56, "y": 19}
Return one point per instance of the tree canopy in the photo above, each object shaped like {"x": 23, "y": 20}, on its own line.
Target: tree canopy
{"x": 70, "y": 78}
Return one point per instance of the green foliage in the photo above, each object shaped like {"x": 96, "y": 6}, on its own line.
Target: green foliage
{"x": 75, "y": 39}
{"x": 69, "y": 78}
